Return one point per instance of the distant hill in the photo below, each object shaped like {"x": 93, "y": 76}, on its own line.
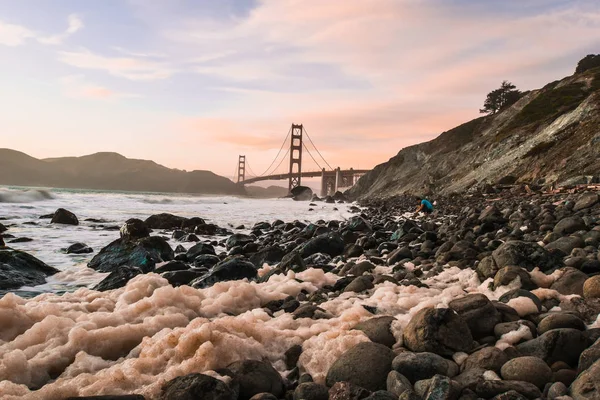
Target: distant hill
{"x": 266, "y": 193}
{"x": 549, "y": 136}
{"x": 108, "y": 171}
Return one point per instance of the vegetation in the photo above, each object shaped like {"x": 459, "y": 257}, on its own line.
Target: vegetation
{"x": 501, "y": 98}
{"x": 588, "y": 62}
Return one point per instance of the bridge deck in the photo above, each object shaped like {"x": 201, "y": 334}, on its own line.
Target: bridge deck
{"x": 308, "y": 174}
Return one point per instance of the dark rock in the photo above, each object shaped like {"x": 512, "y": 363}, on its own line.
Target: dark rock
{"x": 489, "y": 389}
{"x": 3, "y": 228}
{"x": 144, "y": 253}
{"x": 478, "y": 312}
{"x": 560, "y": 320}
{"x": 79, "y": 248}
{"x": 377, "y": 330}
{"x": 587, "y": 384}
{"x": 508, "y": 274}
{"x": 487, "y": 268}
{"x": 109, "y": 397}
{"x": 381, "y": 395}
{"x": 328, "y": 243}
{"x": 21, "y": 240}
{"x": 311, "y": 391}
{"x": 178, "y": 278}
{"x": 19, "y": 269}
{"x": 570, "y": 282}
{"x": 488, "y": 358}
{"x": 234, "y": 269}
{"x": 528, "y": 369}
{"x": 199, "y": 249}
{"x": 62, "y": 216}
{"x": 206, "y": 261}
{"x": 196, "y": 386}
{"x": 269, "y": 255}
{"x": 526, "y": 255}
{"x": 516, "y": 293}
{"x": 419, "y": 366}
{"x": 238, "y": 239}
{"x": 556, "y": 390}
{"x": 118, "y": 278}
{"x": 566, "y": 244}
{"x": 134, "y": 229}
{"x": 510, "y": 395}
{"x": 367, "y": 365}
{"x": 302, "y": 193}
{"x": 589, "y": 356}
{"x": 263, "y": 396}
{"x": 591, "y": 288}
{"x": 586, "y": 200}
{"x": 359, "y": 224}
{"x": 347, "y": 391}
{"x": 359, "y": 284}
{"x": 556, "y": 345}
{"x": 256, "y": 377}
{"x": 569, "y": 225}
{"x": 172, "y": 266}
{"x": 442, "y": 388}
{"x": 441, "y": 331}
{"x": 292, "y": 355}
{"x": 167, "y": 221}
{"x": 397, "y": 383}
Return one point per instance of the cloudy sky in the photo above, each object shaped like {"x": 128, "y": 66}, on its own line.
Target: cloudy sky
{"x": 193, "y": 83}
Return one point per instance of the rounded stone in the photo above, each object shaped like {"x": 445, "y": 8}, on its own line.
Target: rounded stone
{"x": 528, "y": 369}
{"x": 591, "y": 288}
{"x": 560, "y": 320}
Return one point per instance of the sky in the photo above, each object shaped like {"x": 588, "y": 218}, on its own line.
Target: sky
{"x": 192, "y": 84}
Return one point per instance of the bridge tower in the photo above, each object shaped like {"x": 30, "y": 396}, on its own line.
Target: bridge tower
{"x": 241, "y": 169}
{"x": 296, "y": 157}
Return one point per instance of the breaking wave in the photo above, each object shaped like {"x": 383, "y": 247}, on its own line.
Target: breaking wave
{"x": 24, "y": 196}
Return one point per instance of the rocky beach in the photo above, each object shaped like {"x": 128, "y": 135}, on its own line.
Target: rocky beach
{"x": 494, "y": 295}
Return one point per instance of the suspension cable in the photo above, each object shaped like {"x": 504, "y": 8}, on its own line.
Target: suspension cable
{"x": 311, "y": 156}
{"x": 279, "y": 152}
{"x": 250, "y": 169}
{"x": 308, "y": 136}
{"x": 275, "y": 169}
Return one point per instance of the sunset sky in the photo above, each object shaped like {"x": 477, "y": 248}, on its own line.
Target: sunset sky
{"x": 193, "y": 83}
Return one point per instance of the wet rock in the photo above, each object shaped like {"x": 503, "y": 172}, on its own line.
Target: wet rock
{"x": 170, "y": 221}
{"x": 587, "y": 384}
{"x": 118, "y": 278}
{"x": 360, "y": 284}
{"x": 569, "y": 225}
{"x": 79, "y": 248}
{"x": 199, "y": 249}
{"x": 302, "y": 193}
{"x": 591, "y": 288}
{"x": 178, "y": 278}
{"x": 442, "y": 388}
{"x": 206, "y": 261}
{"x": 397, "y": 383}
{"x": 109, "y": 397}
{"x": 488, "y": 358}
{"x": 256, "y": 377}
{"x": 525, "y": 254}
{"x": 556, "y": 390}
{"x": 589, "y": 356}
{"x": 359, "y": 224}
{"x": 328, "y": 243}
{"x": 347, "y": 391}
{"x": 134, "y": 229}
{"x": 270, "y": 255}
{"x": 529, "y": 369}
{"x": 263, "y": 396}
{"x": 381, "y": 395}
{"x": 238, "y": 239}
{"x": 21, "y": 240}
{"x": 311, "y": 391}
{"x": 587, "y": 200}
{"x": 367, "y": 365}
{"x": 144, "y": 253}
{"x": 556, "y": 345}
{"x": 566, "y": 244}
{"x": 419, "y": 366}
{"x": 487, "y": 268}
{"x": 65, "y": 217}
{"x": 3, "y": 228}
{"x": 292, "y": 355}
{"x": 19, "y": 269}
{"x": 234, "y": 269}
{"x": 508, "y": 274}
{"x": 196, "y": 386}
{"x": 490, "y": 389}
{"x": 172, "y": 266}
{"x": 478, "y": 312}
{"x": 441, "y": 331}
{"x": 510, "y": 395}
{"x": 570, "y": 282}
{"x": 378, "y": 330}
{"x": 560, "y": 320}
{"x": 516, "y": 293}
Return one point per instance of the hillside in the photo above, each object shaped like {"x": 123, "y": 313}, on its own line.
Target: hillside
{"x": 549, "y": 136}
{"x": 108, "y": 171}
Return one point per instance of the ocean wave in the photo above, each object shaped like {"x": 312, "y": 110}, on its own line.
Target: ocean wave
{"x": 157, "y": 201}
{"x": 24, "y": 196}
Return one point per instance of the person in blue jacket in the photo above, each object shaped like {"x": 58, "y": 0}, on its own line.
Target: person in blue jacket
{"x": 425, "y": 206}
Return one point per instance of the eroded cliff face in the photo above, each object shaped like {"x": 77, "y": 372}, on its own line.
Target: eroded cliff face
{"x": 550, "y": 136}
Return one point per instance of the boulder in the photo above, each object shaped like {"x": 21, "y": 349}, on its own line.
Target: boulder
{"x": 440, "y": 330}
{"x": 196, "y": 386}
{"x": 556, "y": 345}
{"x": 311, "y": 391}
{"x": 566, "y": 244}
{"x": 269, "y": 255}
{"x": 134, "y": 229}
{"x": 366, "y": 365}
{"x": 419, "y": 366}
{"x": 170, "y": 221}
{"x": 230, "y": 270}
{"x": 508, "y": 274}
{"x": 238, "y": 239}
{"x": 488, "y": 358}
{"x": 528, "y": 369}
{"x": 347, "y": 391}
{"x": 591, "y": 288}
{"x": 256, "y": 377}
{"x": 570, "y": 282}
{"x": 65, "y": 217}
{"x": 397, "y": 383}
{"x": 525, "y": 254}
{"x": 586, "y": 200}
{"x": 199, "y": 249}
{"x": 144, "y": 253}
{"x": 19, "y": 269}
{"x": 560, "y": 320}
{"x": 478, "y": 312}
{"x": 329, "y": 243}
{"x": 109, "y": 397}
{"x": 378, "y": 330}
{"x": 587, "y": 384}
{"x": 118, "y": 278}
{"x": 589, "y": 356}
{"x": 301, "y": 193}
{"x": 79, "y": 248}
{"x": 569, "y": 225}
{"x": 178, "y": 278}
